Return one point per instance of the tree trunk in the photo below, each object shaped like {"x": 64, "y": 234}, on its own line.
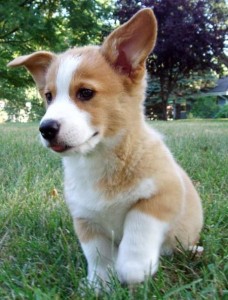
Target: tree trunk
{"x": 164, "y": 109}
{"x": 164, "y": 98}
{"x": 174, "y": 110}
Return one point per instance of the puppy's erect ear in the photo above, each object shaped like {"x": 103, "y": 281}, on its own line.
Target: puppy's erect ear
{"x": 128, "y": 46}
{"x": 37, "y": 63}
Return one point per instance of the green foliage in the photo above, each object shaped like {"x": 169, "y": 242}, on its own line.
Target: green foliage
{"x": 56, "y": 25}
{"x": 40, "y": 255}
{"x": 205, "y": 107}
{"x": 223, "y": 112}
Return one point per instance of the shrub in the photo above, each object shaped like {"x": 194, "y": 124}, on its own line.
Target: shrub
{"x": 205, "y": 107}
{"x": 223, "y": 112}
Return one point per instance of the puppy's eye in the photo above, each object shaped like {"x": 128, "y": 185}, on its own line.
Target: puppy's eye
{"x": 85, "y": 94}
{"x": 48, "y": 96}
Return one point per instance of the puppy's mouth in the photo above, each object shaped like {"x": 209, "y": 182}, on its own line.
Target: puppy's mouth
{"x": 59, "y": 147}
{"x": 62, "y": 147}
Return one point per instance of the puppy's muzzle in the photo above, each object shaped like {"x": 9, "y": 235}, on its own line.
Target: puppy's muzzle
{"x": 49, "y": 129}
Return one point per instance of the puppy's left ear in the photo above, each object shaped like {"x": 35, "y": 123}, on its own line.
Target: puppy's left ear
{"x": 127, "y": 47}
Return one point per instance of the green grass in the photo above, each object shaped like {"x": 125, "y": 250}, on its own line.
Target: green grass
{"x": 40, "y": 257}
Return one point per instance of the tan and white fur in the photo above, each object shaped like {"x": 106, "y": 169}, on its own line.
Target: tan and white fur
{"x": 129, "y": 199}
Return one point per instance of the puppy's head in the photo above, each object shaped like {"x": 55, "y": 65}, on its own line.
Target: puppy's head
{"x": 93, "y": 93}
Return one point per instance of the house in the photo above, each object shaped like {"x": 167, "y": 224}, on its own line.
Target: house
{"x": 220, "y": 91}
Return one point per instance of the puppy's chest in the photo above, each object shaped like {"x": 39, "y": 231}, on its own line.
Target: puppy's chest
{"x": 86, "y": 200}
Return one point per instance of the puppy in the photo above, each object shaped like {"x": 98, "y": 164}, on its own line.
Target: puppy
{"x": 129, "y": 199}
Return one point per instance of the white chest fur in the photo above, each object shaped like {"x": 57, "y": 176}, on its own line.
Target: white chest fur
{"x": 86, "y": 200}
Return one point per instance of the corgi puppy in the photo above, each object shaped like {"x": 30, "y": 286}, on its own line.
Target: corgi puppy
{"x": 129, "y": 199}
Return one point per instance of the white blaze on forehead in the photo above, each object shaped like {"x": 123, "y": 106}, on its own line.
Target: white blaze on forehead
{"x": 68, "y": 65}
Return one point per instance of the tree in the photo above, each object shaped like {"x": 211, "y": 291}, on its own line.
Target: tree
{"x": 30, "y": 25}
{"x": 191, "y": 38}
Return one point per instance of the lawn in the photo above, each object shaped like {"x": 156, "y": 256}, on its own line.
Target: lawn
{"x": 40, "y": 257}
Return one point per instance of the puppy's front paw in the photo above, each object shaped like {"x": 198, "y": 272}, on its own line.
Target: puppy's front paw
{"x": 132, "y": 272}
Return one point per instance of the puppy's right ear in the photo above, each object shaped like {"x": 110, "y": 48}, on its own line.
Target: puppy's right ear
{"x": 37, "y": 64}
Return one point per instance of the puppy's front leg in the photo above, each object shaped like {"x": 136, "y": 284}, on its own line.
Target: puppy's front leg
{"x": 99, "y": 251}
{"x": 139, "y": 249}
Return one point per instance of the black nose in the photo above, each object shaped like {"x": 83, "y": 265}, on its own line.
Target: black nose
{"x": 49, "y": 129}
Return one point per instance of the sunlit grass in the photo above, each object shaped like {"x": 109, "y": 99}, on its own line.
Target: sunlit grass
{"x": 40, "y": 257}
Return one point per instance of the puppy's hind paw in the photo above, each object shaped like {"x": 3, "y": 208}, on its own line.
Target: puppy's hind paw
{"x": 197, "y": 250}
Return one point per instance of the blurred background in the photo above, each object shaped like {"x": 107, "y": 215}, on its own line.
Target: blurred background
{"x": 187, "y": 72}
